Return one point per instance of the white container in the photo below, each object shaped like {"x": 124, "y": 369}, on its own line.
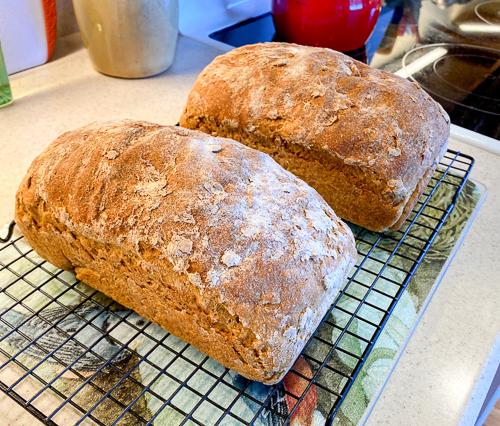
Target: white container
{"x": 27, "y": 32}
{"x": 129, "y": 38}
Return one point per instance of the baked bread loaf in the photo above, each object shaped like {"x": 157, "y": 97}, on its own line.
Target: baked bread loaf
{"x": 366, "y": 140}
{"x": 208, "y": 238}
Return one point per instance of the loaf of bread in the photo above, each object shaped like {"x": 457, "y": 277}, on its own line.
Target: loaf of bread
{"x": 366, "y": 140}
{"x": 206, "y": 237}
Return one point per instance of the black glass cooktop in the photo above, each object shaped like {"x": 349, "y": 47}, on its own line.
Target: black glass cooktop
{"x": 452, "y": 48}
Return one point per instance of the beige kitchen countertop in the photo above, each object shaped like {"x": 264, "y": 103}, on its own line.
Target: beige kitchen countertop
{"x": 444, "y": 372}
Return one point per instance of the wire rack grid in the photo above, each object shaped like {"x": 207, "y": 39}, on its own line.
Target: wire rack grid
{"x": 94, "y": 362}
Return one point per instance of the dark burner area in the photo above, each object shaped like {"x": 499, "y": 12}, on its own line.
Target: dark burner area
{"x": 466, "y": 81}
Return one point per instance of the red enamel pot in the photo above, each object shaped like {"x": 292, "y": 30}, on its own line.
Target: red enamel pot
{"x": 338, "y": 24}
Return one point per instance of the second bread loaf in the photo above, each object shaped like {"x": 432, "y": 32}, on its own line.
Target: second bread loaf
{"x": 366, "y": 140}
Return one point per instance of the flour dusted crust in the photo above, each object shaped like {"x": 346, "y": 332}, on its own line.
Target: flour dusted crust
{"x": 366, "y": 140}
{"x": 202, "y": 235}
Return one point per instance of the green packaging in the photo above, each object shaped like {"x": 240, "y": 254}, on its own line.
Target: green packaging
{"x": 5, "y": 91}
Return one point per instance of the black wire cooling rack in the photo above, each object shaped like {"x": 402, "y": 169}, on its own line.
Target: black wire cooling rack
{"x": 94, "y": 362}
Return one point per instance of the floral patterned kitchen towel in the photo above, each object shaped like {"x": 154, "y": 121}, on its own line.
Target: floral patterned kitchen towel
{"x": 135, "y": 369}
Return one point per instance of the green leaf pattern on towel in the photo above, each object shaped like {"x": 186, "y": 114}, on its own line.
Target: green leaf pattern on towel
{"x": 381, "y": 359}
